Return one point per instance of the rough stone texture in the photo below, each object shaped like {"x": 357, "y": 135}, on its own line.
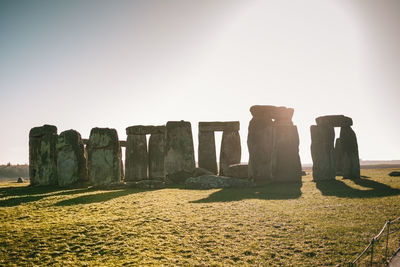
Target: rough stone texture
{"x": 104, "y": 157}
{"x": 231, "y": 151}
{"x": 213, "y": 181}
{"x": 351, "y": 161}
{"x": 322, "y": 152}
{"x": 207, "y": 153}
{"x": 230, "y": 126}
{"x": 157, "y": 156}
{"x": 145, "y": 129}
{"x": 334, "y": 121}
{"x": 42, "y": 155}
{"x": 150, "y": 184}
{"x": 282, "y": 115}
{"x": 260, "y": 142}
{"x": 338, "y": 157}
{"x": 200, "y": 172}
{"x": 71, "y": 160}
{"x": 239, "y": 171}
{"x": 136, "y": 158}
{"x": 20, "y": 180}
{"x": 285, "y": 160}
{"x": 179, "y": 159}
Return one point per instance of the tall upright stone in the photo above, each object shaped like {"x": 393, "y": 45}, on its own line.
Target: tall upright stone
{"x": 157, "y": 156}
{"x": 231, "y": 151}
{"x": 104, "y": 157}
{"x": 179, "y": 159}
{"x": 338, "y": 155}
{"x": 285, "y": 160}
{"x": 42, "y": 155}
{"x": 322, "y": 152}
{"x": 351, "y": 161}
{"x": 207, "y": 154}
{"x": 71, "y": 160}
{"x": 260, "y": 143}
{"x": 136, "y": 158}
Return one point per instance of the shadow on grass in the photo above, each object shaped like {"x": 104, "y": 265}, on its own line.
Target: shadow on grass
{"x": 98, "y": 197}
{"x": 340, "y": 189}
{"x": 270, "y": 191}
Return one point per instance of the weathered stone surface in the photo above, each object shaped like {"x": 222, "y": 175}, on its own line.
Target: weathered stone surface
{"x": 150, "y": 184}
{"x": 285, "y": 160}
{"x": 338, "y": 156}
{"x": 231, "y": 151}
{"x": 71, "y": 160}
{"x": 260, "y": 142}
{"x": 334, "y": 121}
{"x": 145, "y": 129}
{"x": 179, "y": 159}
{"x": 104, "y": 157}
{"x": 230, "y": 126}
{"x": 239, "y": 171}
{"x": 322, "y": 152}
{"x": 136, "y": 158}
{"x": 42, "y": 155}
{"x": 207, "y": 153}
{"x": 200, "y": 172}
{"x": 213, "y": 181}
{"x": 281, "y": 115}
{"x": 351, "y": 161}
{"x": 157, "y": 156}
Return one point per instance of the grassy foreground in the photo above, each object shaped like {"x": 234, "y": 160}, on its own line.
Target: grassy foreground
{"x": 311, "y": 224}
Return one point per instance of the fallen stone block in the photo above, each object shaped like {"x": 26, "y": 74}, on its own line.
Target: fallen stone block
{"x": 239, "y": 171}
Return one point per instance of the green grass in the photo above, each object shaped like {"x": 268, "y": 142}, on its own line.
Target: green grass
{"x": 311, "y": 224}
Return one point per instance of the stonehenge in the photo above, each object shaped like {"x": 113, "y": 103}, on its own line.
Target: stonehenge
{"x": 159, "y": 155}
{"x": 71, "y": 158}
{"x": 179, "y": 160}
{"x": 231, "y": 151}
{"x": 141, "y": 164}
{"x": 42, "y": 155}
{"x": 330, "y": 158}
{"x": 273, "y": 144}
{"x": 104, "y": 157}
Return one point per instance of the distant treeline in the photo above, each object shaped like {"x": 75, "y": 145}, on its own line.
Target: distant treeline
{"x": 14, "y": 171}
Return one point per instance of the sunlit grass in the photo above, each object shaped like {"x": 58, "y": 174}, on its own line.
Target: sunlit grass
{"x": 302, "y": 225}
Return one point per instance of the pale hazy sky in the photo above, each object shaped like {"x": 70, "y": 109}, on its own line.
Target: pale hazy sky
{"x": 84, "y": 64}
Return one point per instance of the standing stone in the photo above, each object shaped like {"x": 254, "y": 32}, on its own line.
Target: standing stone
{"x": 285, "y": 161}
{"x": 104, "y": 157}
{"x": 207, "y": 153}
{"x": 338, "y": 153}
{"x": 42, "y": 155}
{"x": 322, "y": 152}
{"x": 156, "y": 156}
{"x": 231, "y": 151}
{"x": 351, "y": 161}
{"x": 260, "y": 142}
{"x": 136, "y": 158}
{"x": 179, "y": 159}
{"x": 71, "y": 161}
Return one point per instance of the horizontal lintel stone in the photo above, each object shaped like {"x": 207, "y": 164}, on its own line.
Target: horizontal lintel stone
{"x": 229, "y": 126}
{"x": 145, "y": 129}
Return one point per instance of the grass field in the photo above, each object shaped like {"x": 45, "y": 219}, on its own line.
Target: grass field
{"x": 311, "y": 224}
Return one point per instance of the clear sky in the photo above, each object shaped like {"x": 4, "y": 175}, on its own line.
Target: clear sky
{"x": 83, "y": 64}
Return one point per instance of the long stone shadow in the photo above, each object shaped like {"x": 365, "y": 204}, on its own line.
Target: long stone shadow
{"x": 100, "y": 197}
{"x": 270, "y": 191}
{"x": 340, "y": 189}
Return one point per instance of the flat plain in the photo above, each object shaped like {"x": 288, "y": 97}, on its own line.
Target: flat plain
{"x": 308, "y": 224}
